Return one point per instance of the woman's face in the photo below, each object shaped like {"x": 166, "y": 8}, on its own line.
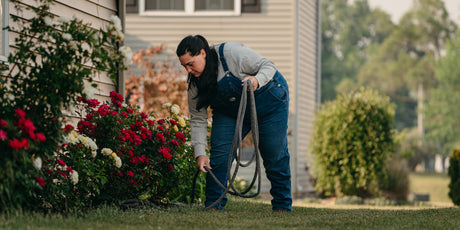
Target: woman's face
{"x": 194, "y": 64}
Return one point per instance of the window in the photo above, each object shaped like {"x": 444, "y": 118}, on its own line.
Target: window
{"x": 4, "y": 38}
{"x": 188, "y": 7}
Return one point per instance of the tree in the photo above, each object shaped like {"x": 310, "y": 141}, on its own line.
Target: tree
{"x": 348, "y": 31}
{"x": 442, "y": 111}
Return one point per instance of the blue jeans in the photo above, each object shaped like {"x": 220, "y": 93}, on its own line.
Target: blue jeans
{"x": 272, "y": 104}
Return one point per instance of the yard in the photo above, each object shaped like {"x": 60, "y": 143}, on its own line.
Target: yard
{"x": 257, "y": 214}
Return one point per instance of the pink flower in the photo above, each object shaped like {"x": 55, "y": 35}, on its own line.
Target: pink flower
{"x": 129, "y": 173}
{"x": 40, "y": 137}
{"x": 165, "y": 152}
{"x": 20, "y": 113}
{"x": 3, "y": 123}
{"x": 2, "y": 135}
{"x": 40, "y": 181}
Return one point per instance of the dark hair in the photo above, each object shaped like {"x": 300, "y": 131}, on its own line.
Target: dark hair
{"x": 207, "y": 82}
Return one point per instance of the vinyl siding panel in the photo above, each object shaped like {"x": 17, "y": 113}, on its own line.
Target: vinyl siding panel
{"x": 95, "y": 12}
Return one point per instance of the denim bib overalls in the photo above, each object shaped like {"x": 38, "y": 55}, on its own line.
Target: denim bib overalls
{"x": 272, "y": 105}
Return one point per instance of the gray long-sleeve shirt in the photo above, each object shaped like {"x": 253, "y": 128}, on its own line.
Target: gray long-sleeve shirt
{"x": 242, "y": 62}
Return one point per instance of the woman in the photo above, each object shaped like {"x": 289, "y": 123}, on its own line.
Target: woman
{"x": 216, "y": 75}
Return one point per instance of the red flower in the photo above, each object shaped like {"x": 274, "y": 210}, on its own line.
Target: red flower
{"x": 2, "y": 135}
{"x": 143, "y": 115}
{"x": 68, "y": 128}
{"x": 165, "y": 152}
{"x": 161, "y": 121}
{"x": 40, "y": 137}
{"x": 27, "y": 126}
{"x": 161, "y": 138}
{"x": 40, "y": 181}
{"x": 173, "y": 122}
{"x": 129, "y": 110}
{"x": 62, "y": 174}
{"x": 129, "y": 173}
{"x": 20, "y": 113}
{"x": 180, "y": 136}
{"x": 174, "y": 142}
{"x": 132, "y": 182}
{"x": 3, "y": 123}
{"x": 116, "y": 98}
{"x": 161, "y": 128}
{"x": 171, "y": 168}
{"x": 17, "y": 144}
{"x": 120, "y": 174}
{"x": 70, "y": 169}
{"x": 150, "y": 122}
{"x": 60, "y": 162}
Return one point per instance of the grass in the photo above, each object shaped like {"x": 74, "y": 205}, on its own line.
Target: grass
{"x": 435, "y": 184}
{"x": 241, "y": 214}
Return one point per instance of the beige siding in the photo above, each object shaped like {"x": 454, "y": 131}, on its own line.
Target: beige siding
{"x": 284, "y": 32}
{"x": 95, "y": 12}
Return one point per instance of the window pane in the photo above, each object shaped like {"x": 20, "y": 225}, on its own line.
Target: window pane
{"x": 214, "y": 4}
{"x": 164, "y": 4}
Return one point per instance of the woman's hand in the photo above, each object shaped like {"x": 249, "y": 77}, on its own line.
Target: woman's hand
{"x": 253, "y": 80}
{"x": 202, "y": 161}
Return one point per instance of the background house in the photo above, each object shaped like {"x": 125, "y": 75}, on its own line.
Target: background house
{"x": 96, "y": 12}
{"x": 285, "y": 31}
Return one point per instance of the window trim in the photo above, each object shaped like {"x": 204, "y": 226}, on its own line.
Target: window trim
{"x": 5, "y": 32}
{"x": 190, "y": 10}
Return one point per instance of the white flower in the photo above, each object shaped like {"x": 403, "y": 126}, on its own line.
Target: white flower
{"x": 48, "y": 21}
{"x": 93, "y": 153}
{"x": 72, "y": 137}
{"x": 63, "y": 19}
{"x": 11, "y": 97}
{"x": 74, "y": 177}
{"x": 67, "y": 36}
{"x": 106, "y": 151}
{"x": 117, "y": 162}
{"x": 115, "y": 20}
{"x": 175, "y": 109}
{"x": 127, "y": 53}
{"x": 166, "y": 105}
{"x": 37, "y": 162}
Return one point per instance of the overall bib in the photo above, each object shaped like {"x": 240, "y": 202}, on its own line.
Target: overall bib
{"x": 272, "y": 105}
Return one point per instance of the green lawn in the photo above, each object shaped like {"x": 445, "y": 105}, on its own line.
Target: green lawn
{"x": 243, "y": 214}
{"x": 434, "y": 184}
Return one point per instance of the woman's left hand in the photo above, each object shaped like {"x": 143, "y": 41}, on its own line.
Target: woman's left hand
{"x": 253, "y": 80}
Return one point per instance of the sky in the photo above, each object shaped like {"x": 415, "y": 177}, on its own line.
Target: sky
{"x": 397, "y": 8}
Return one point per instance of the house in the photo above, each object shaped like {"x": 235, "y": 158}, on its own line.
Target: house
{"x": 284, "y": 31}
{"x": 95, "y": 12}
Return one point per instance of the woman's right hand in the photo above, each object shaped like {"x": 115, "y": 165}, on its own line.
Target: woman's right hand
{"x": 202, "y": 161}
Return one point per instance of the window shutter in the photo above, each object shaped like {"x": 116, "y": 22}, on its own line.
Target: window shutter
{"x": 250, "y": 6}
{"x": 132, "y": 6}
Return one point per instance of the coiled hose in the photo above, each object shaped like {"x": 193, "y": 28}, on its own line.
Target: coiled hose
{"x": 236, "y": 150}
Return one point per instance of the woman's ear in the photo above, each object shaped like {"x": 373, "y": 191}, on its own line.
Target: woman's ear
{"x": 203, "y": 53}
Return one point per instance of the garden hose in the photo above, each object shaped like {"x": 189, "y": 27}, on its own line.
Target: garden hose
{"x": 236, "y": 150}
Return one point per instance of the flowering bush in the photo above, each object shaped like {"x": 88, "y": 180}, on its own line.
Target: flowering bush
{"x": 53, "y": 61}
{"x": 151, "y": 150}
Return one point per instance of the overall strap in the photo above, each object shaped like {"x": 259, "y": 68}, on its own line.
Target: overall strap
{"x": 222, "y": 58}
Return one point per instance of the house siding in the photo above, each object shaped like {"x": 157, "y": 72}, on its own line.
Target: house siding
{"x": 284, "y": 31}
{"x": 95, "y": 12}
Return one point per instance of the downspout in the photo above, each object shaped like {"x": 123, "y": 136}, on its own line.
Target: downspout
{"x": 296, "y": 105}
{"x": 121, "y": 5}
{"x": 318, "y": 56}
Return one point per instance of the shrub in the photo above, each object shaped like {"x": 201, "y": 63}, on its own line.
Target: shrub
{"x": 52, "y": 60}
{"x": 396, "y": 184}
{"x": 454, "y": 174}
{"x": 352, "y": 139}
